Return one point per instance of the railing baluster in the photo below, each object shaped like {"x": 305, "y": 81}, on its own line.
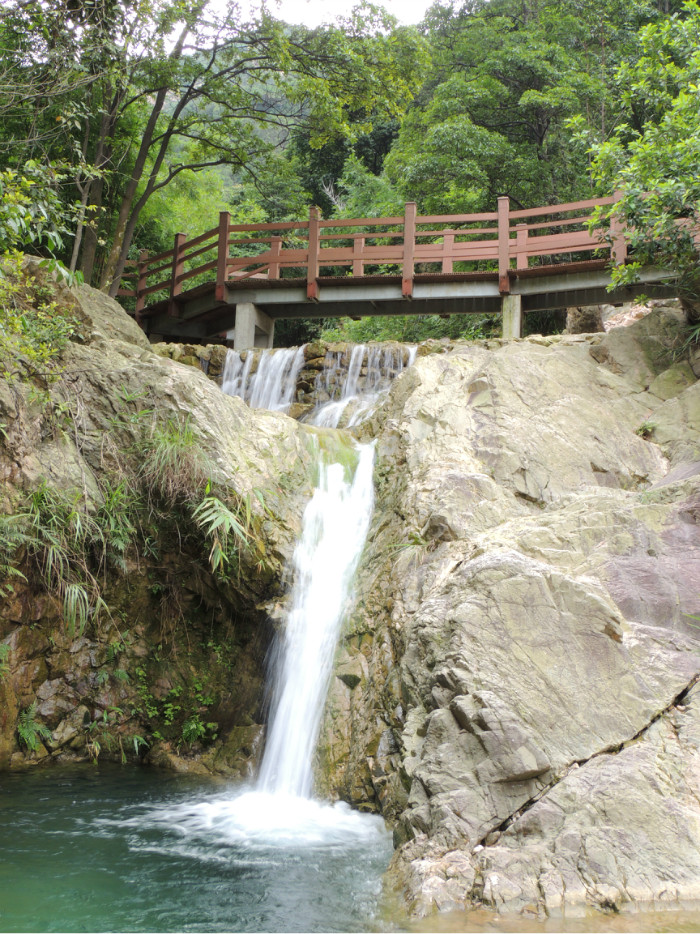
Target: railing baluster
{"x": 312, "y": 262}
{"x": 358, "y": 245}
{"x": 222, "y": 256}
{"x": 521, "y": 246}
{"x": 503, "y": 244}
{"x": 275, "y": 250}
{"x": 409, "y": 248}
{"x": 178, "y": 269}
{"x": 448, "y": 242}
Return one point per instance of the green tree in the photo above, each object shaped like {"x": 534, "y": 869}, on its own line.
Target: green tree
{"x": 507, "y": 76}
{"x": 149, "y": 91}
{"x": 655, "y": 164}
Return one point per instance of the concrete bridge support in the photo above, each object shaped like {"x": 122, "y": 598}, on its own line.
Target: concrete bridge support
{"x": 252, "y": 328}
{"x": 512, "y": 311}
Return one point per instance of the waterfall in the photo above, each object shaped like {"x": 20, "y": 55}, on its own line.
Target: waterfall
{"x": 271, "y": 385}
{"x": 354, "y": 388}
{"x": 335, "y": 525}
{"x": 267, "y": 379}
{"x": 286, "y": 860}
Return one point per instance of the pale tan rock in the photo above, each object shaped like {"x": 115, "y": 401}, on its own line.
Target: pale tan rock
{"x": 534, "y": 564}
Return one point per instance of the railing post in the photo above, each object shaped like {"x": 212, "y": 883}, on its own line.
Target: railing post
{"x": 448, "y": 242}
{"x": 312, "y": 262}
{"x": 409, "y": 248}
{"x": 503, "y": 244}
{"x": 141, "y": 284}
{"x": 358, "y": 245}
{"x": 618, "y": 246}
{"x": 222, "y": 256}
{"x": 521, "y": 246}
{"x": 178, "y": 269}
{"x": 275, "y": 250}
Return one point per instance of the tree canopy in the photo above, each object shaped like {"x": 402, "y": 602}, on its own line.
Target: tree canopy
{"x": 653, "y": 158}
{"x": 129, "y": 120}
{"x": 132, "y": 94}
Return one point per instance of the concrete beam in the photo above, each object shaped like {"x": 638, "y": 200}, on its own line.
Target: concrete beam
{"x": 512, "y": 311}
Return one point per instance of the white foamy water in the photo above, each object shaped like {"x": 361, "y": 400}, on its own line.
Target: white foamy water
{"x": 267, "y": 379}
{"x": 271, "y": 385}
{"x": 335, "y": 526}
{"x": 256, "y": 820}
{"x": 368, "y": 377}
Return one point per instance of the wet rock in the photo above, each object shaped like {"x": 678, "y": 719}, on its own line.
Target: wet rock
{"x": 240, "y": 752}
{"x": 71, "y": 728}
{"x": 55, "y": 700}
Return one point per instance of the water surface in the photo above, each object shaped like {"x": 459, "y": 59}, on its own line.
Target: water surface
{"x": 103, "y": 848}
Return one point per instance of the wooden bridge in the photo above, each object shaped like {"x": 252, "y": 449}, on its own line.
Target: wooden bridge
{"x": 236, "y": 280}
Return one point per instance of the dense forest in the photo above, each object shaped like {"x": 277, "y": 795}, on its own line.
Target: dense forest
{"x": 124, "y": 122}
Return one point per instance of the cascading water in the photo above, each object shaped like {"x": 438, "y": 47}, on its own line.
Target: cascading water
{"x": 267, "y": 379}
{"x": 381, "y": 364}
{"x": 334, "y": 530}
{"x": 297, "y": 863}
{"x": 271, "y": 857}
{"x": 271, "y": 385}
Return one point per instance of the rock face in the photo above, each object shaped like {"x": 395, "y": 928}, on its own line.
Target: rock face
{"x": 584, "y": 319}
{"x": 178, "y": 653}
{"x": 517, "y": 684}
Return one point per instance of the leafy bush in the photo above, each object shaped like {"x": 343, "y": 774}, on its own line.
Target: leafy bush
{"x": 31, "y": 213}
{"x": 33, "y": 328}
{"x": 414, "y": 328}
{"x": 194, "y": 730}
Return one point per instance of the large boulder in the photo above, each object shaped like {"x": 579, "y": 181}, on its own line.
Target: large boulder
{"x": 519, "y": 670}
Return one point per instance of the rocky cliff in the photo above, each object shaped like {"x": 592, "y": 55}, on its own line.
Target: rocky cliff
{"x": 104, "y": 463}
{"x": 517, "y": 688}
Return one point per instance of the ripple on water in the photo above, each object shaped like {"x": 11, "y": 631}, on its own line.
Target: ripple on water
{"x": 149, "y": 852}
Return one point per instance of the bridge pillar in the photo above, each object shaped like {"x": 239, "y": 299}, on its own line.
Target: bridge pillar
{"x": 512, "y": 311}
{"x": 252, "y": 328}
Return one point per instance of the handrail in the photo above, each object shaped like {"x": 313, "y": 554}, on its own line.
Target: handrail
{"x": 314, "y": 245}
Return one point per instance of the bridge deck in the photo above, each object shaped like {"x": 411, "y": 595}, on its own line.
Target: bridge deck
{"x": 395, "y": 265}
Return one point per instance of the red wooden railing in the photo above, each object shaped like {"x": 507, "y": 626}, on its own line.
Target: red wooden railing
{"x": 501, "y": 240}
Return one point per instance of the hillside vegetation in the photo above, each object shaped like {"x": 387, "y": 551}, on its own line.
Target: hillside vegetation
{"x": 125, "y": 123}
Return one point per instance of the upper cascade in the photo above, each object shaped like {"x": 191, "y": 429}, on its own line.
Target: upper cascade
{"x": 271, "y": 385}
{"x": 324, "y": 386}
{"x": 358, "y": 384}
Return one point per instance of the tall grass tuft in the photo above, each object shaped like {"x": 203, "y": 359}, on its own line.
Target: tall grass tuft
{"x": 174, "y": 467}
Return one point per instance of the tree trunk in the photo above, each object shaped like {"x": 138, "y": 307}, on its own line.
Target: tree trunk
{"x": 109, "y": 280}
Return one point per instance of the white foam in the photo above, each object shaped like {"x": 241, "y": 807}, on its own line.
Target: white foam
{"x": 256, "y": 820}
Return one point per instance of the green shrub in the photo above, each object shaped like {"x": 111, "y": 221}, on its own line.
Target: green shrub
{"x": 33, "y": 328}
